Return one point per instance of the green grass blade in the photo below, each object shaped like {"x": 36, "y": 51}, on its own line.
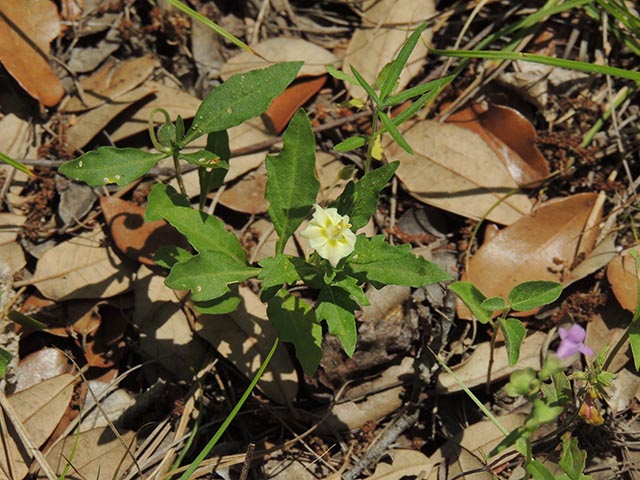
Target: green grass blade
{"x": 16, "y": 164}
{"x": 552, "y": 61}
{"x": 417, "y": 90}
{"x": 392, "y": 75}
{"x": 364, "y": 84}
{"x": 212, "y": 25}
{"x": 390, "y": 127}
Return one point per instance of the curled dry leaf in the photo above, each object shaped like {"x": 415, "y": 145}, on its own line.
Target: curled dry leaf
{"x": 511, "y": 136}
{"x": 26, "y": 29}
{"x": 623, "y": 277}
{"x": 454, "y": 169}
{"x": 39, "y": 408}
{"x": 405, "y": 463}
{"x": 473, "y": 371}
{"x": 282, "y": 49}
{"x": 386, "y": 25}
{"x": 83, "y": 267}
{"x": 132, "y": 235}
{"x": 540, "y": 246}
{"x": 110, "y": 83}
{"x": 244, "y": 337}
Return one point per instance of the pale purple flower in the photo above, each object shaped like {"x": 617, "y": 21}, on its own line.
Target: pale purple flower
{"x": 572, "y": 342}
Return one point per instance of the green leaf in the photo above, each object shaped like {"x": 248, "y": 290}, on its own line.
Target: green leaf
{"x": 26, "y": 320}
{"x": 295, "y": 322}
{"x": 210, "y": 179}
{"x": 541, "y": 413}
{"x": 365, "y": 85}
{"x": 394, "y": 69}
{"x": 241, "y": 97}
{"x": 340, "y": 75}
{"x": 417, "y": 90}
{"x": 514, "y": 333}
{"x": 395, "y": 133}
{"x": 110, "y": 165}
{"x": 208, "y": 274}
{"x": 359, "y": 200}
{"x": 227, "y": 303}
{"x": 523, "y": 382}
{"x": 350, "y": 143}
{"x": 336, "y": 306}
{"x": 538, "y": 471}
{"x": 204, "y": 232}
{"x": 415, "y": 107}
{"x": 203, "y": 158}
{"x": 375, "y": 261}
{"x": 5, "y": 359}
{"x": 530, "y": 295}
{"x": 276, "y": 271}
{"x": 573, "y": 459}
{"x": 494, "y": 304}
{"x": 292, "y": 185}
{"x": 472, "y": 297}
{"x": 168, "y": 255}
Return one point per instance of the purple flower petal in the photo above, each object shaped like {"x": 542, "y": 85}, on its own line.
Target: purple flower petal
{"x": 572, "y": 342}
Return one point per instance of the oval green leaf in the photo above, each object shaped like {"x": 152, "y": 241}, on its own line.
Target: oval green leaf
{"x": 530, "y": 295}
{"x": 350, "y": 143}
{"x": 472, "y": 297}
{"x": 240, "y": 98}
{"x": 110, "y": 165}
{"x": 514, "y": 333}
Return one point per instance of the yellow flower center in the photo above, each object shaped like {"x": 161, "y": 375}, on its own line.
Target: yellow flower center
{"x": 335, "y": 231}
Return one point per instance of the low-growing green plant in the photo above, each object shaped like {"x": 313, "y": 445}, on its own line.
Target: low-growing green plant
{"x": 343, "y": 261}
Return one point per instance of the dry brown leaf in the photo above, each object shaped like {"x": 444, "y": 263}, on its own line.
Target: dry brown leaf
{"x": 92, "y": 122}
{"x": 406, "y": 463}
{"x": 98, "y": 454}
{"x": 39, "y": 408}
{"x": 388, "y": 397}
{"x": 537, "y": 247}
{"x": 482, "y": 437}
{"x": 39, "y": 366}
{"x": 386, "y": 25}
{"x": 248, "y": 194}
{"x": 262, "y": 229}
{"x": 134, "y": 237}
{"x": 599, "y": 257}
{"x": 282, "y": 49}
{"x": 285, "y": 105}
{"x": 623, "y": 277}
{"x": 12, "y": 257}
{"x": 165, "y": 333}
{"x": 473, "y": 371}
{"x": 623, "y": 390}
{"x": 604, "y": 330}
{"x": 82, "y": 267}
{"x": 454, "y": 169}
{"x": 511, "y": 136}
{"x": 110, "y": 83}
{"x": 174, "y": 101}
{"x": 463, "y": 461}
{"x": 26, "y": 29}
{"x": 328, "y": 168}
{"x": 243, "y": 337}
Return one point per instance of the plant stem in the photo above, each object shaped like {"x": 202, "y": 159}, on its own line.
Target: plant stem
{"x": 372, "y": 138}
{"x": 209, "y": 446}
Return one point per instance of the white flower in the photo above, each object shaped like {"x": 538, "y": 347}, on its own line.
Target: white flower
{"x": 329, "y": 234}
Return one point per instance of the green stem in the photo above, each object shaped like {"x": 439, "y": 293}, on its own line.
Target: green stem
{"x": 209, "y": 446}
{"x": 622, "y": 95}
{"x": 152, "y": 132}
{"x": 372, "y": 140}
